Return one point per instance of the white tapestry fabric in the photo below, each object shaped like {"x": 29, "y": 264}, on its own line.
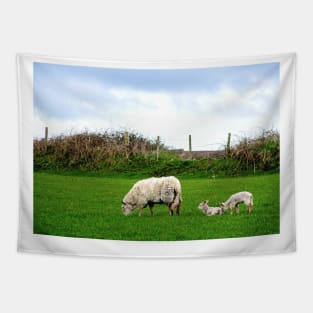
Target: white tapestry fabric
{"x": 166, "y": 159}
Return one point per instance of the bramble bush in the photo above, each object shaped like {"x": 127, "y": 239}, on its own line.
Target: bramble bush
{"x": 108, "y": 153}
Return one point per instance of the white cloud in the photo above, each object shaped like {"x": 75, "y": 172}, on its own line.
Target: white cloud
{"x": 208, "y": 116}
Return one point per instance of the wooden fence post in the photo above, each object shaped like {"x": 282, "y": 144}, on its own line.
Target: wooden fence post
{"x": 190, "y": 148}
{"x": 46, "y": 134}
{"x": 46, "y": 137}
{"x": 158, "y": 147}
{"x": 228, "y": 146}
{"x": 126, "y": 142}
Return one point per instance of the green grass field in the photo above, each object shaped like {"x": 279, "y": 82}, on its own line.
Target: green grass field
{"x": 90, "y": 207}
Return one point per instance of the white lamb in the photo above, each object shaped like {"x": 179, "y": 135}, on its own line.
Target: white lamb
{"x": 234, "y": 201}
{"x": 150, "y": 191}
{"x": 208, "y": 210}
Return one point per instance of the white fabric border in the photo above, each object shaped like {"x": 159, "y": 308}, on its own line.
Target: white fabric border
{"x": 283, "y": 242}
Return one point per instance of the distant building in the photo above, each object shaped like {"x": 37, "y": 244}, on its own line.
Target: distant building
{"x": 197, "y": 155}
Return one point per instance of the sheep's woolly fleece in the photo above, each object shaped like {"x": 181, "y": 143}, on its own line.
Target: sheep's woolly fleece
{"x": 155, "y": 190}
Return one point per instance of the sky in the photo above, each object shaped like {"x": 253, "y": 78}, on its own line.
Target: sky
{"x": 205, "y": 102}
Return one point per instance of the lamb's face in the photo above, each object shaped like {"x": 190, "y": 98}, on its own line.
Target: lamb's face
{"x": 223, "y": 207}
{"x": 203, "y": 205}
{"x": 127, "y": 208}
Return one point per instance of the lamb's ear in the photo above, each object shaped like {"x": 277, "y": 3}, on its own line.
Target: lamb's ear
{"x": 206, "y": 201}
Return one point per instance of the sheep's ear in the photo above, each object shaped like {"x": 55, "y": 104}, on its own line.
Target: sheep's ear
{"x": 206, "y": 201}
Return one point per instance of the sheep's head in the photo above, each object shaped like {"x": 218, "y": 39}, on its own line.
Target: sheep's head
{"x": 203, "y": 205}
{"x": 127, "y": 208}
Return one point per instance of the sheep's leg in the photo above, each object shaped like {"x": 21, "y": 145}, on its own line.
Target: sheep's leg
{"x": 151, "y": 209}
{"x": 250, "y": 208}
{"x": 179, "y": 205}
{"x": 231, "y": 210}
{"x": 237, "y": 209}
{"x": 177, "y": 209}
{"x": 171, "y": 209}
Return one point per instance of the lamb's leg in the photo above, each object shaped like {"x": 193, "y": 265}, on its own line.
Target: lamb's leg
{"x": 237, "y": 209}
{"x": 250, "y": 207}
{"x": 151, "y": 209}
{"x": 231, "y": 210}
{"x": 140, "y": 212}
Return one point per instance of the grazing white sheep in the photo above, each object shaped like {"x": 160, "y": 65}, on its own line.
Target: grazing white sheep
{"x": 150, "y": 191}
{"x": 209, "y": 210}
{"x": 237, "y": 198}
